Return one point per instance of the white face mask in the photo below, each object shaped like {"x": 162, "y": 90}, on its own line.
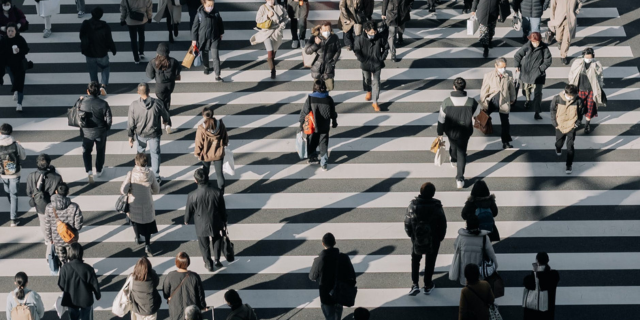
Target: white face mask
{"x": 325, "y": 34}
{"x": 370, "y": 36}
{"x": 502, "y": 70}
{"x": 6, "y": 8}
{"x": 568, "y": 97}
{"x": 587, "y": 60}
{"x": 208, "y": 9}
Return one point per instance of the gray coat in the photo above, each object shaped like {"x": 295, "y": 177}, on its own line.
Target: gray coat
{"x": 146, "y": 118}
{"x": 468, "y": 249}
{"x": 142, "y": 186}
{"x": 145, "y": 299}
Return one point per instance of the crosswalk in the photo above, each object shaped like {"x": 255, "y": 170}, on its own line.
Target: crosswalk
{"x": 279, "y": 207}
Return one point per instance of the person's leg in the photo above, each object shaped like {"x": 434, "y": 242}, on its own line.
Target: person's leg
{"x": 13, "y": 196}
{"x": 215, "y": 56}
{"x": 391, "y": 40}
{"x": 376, "y": 86}
{"x": 526, "y": 26}
{"x": 492, "y": 29}
{"x": 415, "y": 268}
{"x": 87, "y": 148}
{"x": 204, "y": 243}
{"x": 101, "y": 148}
{"x": 462, "y": 157}
{"x": 534, "y": 24}
{"x": 430, "y": 264}
{"x": 571, "y": 137}
{"x": 204, "y": 52}
{"x": 366, "y": 81}
{"x": 453, "y": 150}
{"x": 74, "y": 314}
{"x": 206, "y": 165}
{"x": 294, "y": 29}
{"x": 327, "y": 311}
{"x": 219, "y": 174}
{"x": 141, "y": 37}
{"x": 566, "y": 40}
{"x": 92, "y": 65}
{"x": 41, "y": 219}
{"x": 312, "y": 147}
{"x": 103, "y": 63}
{"x": 19, "y": 76}
{"x": 324, "y": 148}
{"x": 154, "y": 150}
{"x": 86, "y": 313}
{"x": 61, "y": 252}
{"x": 338, "y": 312}
{"x": 506, "y": 128}
{"x": 169, "y": 24}
{"x": 133, "y": 37}
{"x": 217, "y": 246}
{"x": 136, "y": 233}
{"x": 537, "y": 97}
{"x": 349, "y": 39}
{"x": 302, "y": 24}
{"x": 560, "y": 138}
{"x": 47, "y": 23}
{"x": 193, "y": 10}
{"x": 142, "y": 144}
{"x": 80, "y": 5}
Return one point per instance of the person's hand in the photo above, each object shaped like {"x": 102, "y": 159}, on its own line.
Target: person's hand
{"x": 221, "y": 36}
{"x": 130, "y": 142}
{"x": 81, "y": 97}
{"x": 384, "y": 17}
{"x": 347, "y": 22}
{"x": 334, "y": 125}
{"x": 194, "y": 43}
{"x": 317, "y": 40}
{"x": 122, "y": 23}
{"x": 3, "y": 28}
{"x": 440, "y": 137}
{"x": 473, "y": 14}
{"x": 270, "y": 14}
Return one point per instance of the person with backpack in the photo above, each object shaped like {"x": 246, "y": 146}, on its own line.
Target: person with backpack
{"x": 396, "y": 13}
{"x": 531, "y": 11}
{"x": 11, "y": 156}
{"x": 471, "y": 246}
{"x": 426, "y": 224}
{"x": 331, "y": 266}
{"x": 566, "y": 114}
{"x": 475, "y": 297}
{"x": 532, "y": 61}
{"x": 206, "y": 35}
{"x": 63, "y": 221}
{"x": 96, "y": 130}
{"x": 548, "y": 280}
{"x": 326, "y": 45}
{"x": 166, "y": 71}
{"x": 145, "y": 299}
{"x": 41, "y": 185}
{"x": 79, "y": 284}
{"x": 22, "y": 303}
{"x": 319, "y": 109}
{"x": 239, "y": 311}
{"x": 211, "y": 140}
{"x": 371, "y": 50}
{"x": 183, "y": 288}
{"x": 96, "y": 41}
{"x": 482, "y": 204}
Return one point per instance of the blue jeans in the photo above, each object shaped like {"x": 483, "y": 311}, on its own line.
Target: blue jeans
{"x": 154, "y": 150}
{"x": 530, "y": 25}
{"x": 11, "y": 189}
{"x": 331, "y": 311}
{"x": 81, "y": 313}
{"x": 103, "y": 64}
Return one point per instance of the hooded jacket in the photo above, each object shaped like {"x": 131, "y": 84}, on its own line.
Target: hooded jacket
{"x": 146, "y": 118}
{"x": 475, "y": 202}
{"x": 328, "y": 53}
{"x": 78, "y": 283}
{"x": 456, "y": 116}
{"x": 67, "y": 211}
{"x": 397, "y": 12}
{"x": 324, "y": 270}
{"x": 533, "y": 62}
{"x": 142, "y": 6}
{"x": 141, "y": 184}
{"x": 207, "y": 27}
{"x": 468, "y": 249}
{"x": 354, "y": 12}
{"x": 244, "y": 312}
{"x": 486, "y": 10}
{"x": 10, "y": 145}
{"x": 96, "y": 39}
{"x": 100, "y": 119}
{"x": 495, "y": 83}
{"x": 145, "y": 299}
{"x": 548, "y": 280}
{"x": 51, "y": 181}
{"x": 371, "y": 52}
{"x": 595, "y": 74}
{"x": 565, "y": 114}
{"x": 210, "y": 144}
{"x": 428, "y": 210}
{"x": 207, "y": 208}
{"x": 324, "y": 111}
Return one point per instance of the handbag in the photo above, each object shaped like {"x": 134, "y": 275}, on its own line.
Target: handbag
{"x": 516, "y": 21}
{"x": 60, "y": 310}
{"x": 483, "y": 122}
{"x": 134, "y": 15}
{"x": 472, "y": 25}
{"x": 227, "y": 246}
{"x": 53, "y": 260}
{"x": 497, "y": 284}
{"x": 122, "y": 204}
{"x": 548, "y": 37}
{"x": 435, "y": 145}
{"x": 439, "y": 158}
{"x": 122, "y": 303}
{"x": 229, "y": 166}
{"x": 187, "y": 62}
{"x": 76, "y": 117}
{"x": 197, "y": 59}
{"x": 494, "y": 314}
{"x": 536, "y": 299}
{"x": 487, "y": 266}
{"x": 343, "y": 293}
{"x": 267, "y": 23}
{"x": 301, "y": 145}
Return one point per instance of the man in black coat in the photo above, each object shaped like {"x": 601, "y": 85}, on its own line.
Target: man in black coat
{"x": 371, "y": 49}
{"x": 206, "y": 34}
{"x": 206, "y": 206}
{"x": 396, "y": 13}
{"x": 95, "y": 132}
{"x": 40, "y": 190}
{"x": 96, "y": 41}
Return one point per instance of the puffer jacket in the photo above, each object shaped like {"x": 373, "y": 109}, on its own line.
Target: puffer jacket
{"x": 207, "y": 26}
{"x": 495, "y": 83}
{"x": 99, "y": 120}
{"x": 530, "y": 8}
{"x": 67, "y": 211}
{"x": 533, "y": 62}
{"x": 426, "y": 210}
{"x": 328, "y": 53}
{"x": 142, "y": 6}
{"x": 244, "y": 312}
{"x": 468, "y": 249}
{"x": 145, "y": 118}
{"x": 371, "y": 52}
{"x": 145, "y": 297}
{"x": 210, "y": 143}
{"x": 397, "y": 12}
{"x": 324, "y": 111}
{"x": 10, "y": 145}
{"x": 473, "y": 203}
{"x": 141, "y": 188}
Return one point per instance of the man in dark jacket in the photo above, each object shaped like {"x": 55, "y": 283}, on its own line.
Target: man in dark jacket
{"x": 146, "y": 115}
{"x": 531, "y": 11}
{"x": 324, "y": 114}
{"x": 96, "y": 42}
{"x": 298, "y": 11}
{"x": 206, "y": 34}
{"x": 41, "y": 185}
{"x": 548, "y": 280}
{"x": 96, "y": 129}
{"x": 206, "y": 206}
{"x": 396, "y": 13}
{"x": 456, "y": 120}
{"x": 324, "y": 270}
{"x": 61, "y": 209}
{"x": 371, "y": 50}
{"x": 327, "y": 46}
{"x": 532, "y": 61}
{"x": 426, "y": 225}
{"x": 566, "y": 115}
{"x": 79, "y": 284}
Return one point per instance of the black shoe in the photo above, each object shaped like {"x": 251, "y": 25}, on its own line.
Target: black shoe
{"x": 537, "y": 116}
{"x": 394, "y": 59}
{"x": 219, "y": 79}
{"x": 565, "y": 61}
{"x": 313, "y": 160}
{"x": 587, "y": 129}
{"x": 485, "y": 53}
{"x": 208, "y": 267}
{"x": 491, "y": 44}
{"x": 171, "y": 38}
{"x": 218, "y": 264}
{"x": 273, "y": 74}
{"x": 175, "y": 30}
{"x": 526, "y": 104}
{"x": 506, "y": 145}
{"x": 432, "y": 9}
{"x": 208, "y": 71}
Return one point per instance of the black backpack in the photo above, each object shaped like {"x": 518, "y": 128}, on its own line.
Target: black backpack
{"x": 9, "y": 162}
{"x": 39, "y": 198}
{"x": 422, "y": 233}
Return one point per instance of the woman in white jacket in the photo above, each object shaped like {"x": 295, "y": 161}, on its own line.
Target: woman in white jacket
{"x": 468, "y": 249}
{"x": 22, "y": 295}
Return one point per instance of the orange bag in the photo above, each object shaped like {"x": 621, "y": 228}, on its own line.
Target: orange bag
{"x": 66, "y": 232}
{"x": 309, "y": 125}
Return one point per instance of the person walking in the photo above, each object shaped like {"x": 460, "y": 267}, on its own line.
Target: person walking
{"x": 566, "y": 115}
{"x": 183, "y": 288}
{"x": 371, "y": 50}
{"x": 353, "y": 15}
{"x": 548, "y": 280}
{"x": 564, "y": 24}
{"x": 171, "y": 11}
{"x": 62, "y": 209}
{"x": 396, "y": 13}
{"x": 482, "y": 204}
{"x": 141, "y": 10}
{"x": 141, "y": 184}
{"x": 487, "y": 12}
{"x": 298, "y": 11}
{"x": 331, "y": 266}
{"x": 455, "y": 120}
{"x": 588, "y": 75}
{"x": 192, "y": 7}
{"x": 426, "y": 224}
{"x": 166, "y": 71}
{"x": 11, "y": 156}
{"x": 239, "y": 311}
{"x": 146, "y": 115}
{"x": 326, "y": 45}
{"x": 498, "y": 93}
{"x": 206, "y": 35}
{"x": 21, "y": 296}
{"x": 532, "y": 61}
{"x": 41, "y": 185}
{"x": 145, "y": 299}
{"x": 96, "y": 41}
{"x": 79, "y": 284}
{"x": 13, "y": 51}
{"x": 531, "y": 11}
{"x": 476, "y": 296}
{"x": 46, "y": 33}
{"x": 211, "y": 140}
{"x": 96, "y": 130}
{"x": 11, "y": 14}
{"x": 469, "y": 249}
{"x": 324, "y": 114}
{"x": 272, "y": 36}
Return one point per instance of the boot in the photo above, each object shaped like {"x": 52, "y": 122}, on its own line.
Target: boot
{"x": 400, "y": 39}
{"x": 171, "y": 37}
{"x": 587, "y": 128}
{"x": 485, "y": 53}
{"x": 175, "y": 30}
{"x": 272, "y": 67}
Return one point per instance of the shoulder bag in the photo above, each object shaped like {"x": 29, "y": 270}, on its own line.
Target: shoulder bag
{"x": 267, "y": 23}
{"x": 494, "y": 314}
{"x": 39, "y": 194}
{"x": 483, "y": 122}
{"x": 122, "y": 204}
{"x": 536, "y": 299}
{"x": 134, "y": 15}
{"x": 227, "y": 246}
{"x": 178, "y": 287}
{"x": 122, "y": 303}
{"x": 343, "y": 293}
{"x": 68, "y": 233}
{"x": 487, "y": 266}
{"x": 76, "y": 117}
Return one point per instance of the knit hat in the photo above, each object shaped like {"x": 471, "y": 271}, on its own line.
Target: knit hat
{"x": 480, "y": 189}
{"x": 96, "y": 13}
{"x": 163, "y": 49}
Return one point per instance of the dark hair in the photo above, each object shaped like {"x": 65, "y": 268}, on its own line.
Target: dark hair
{"x": 63, "y": 189}
{"x": 43, "y": 161}
{"x": 368, "y": 25}
{"x": 21, "y": 280}
{"x": 361, "y": 314}
{"x": 473, "y": 224}
{"x": 162, "y": 62}
{"x": 233, "y": 298}
{"x": 141, "y": 159}
{"x": 325, "y": 24}
{"x": 588, "y": 51}
{"x": 329, "y": 240}
{"x": 472, "y": 273}
{"x": 94, "y": 88}
{"x": 12, "y": 25}
{"x": 542, "y": 258}
{"x": 204, "y": 1}
{"x": 6, "y": 1}
{"x": 201, "y": 176}
{"x": 460, "y": 84}
{"x": 571, "y": 89}
{"x": 192, "y": 312}
{"x": 182, "y": 260}
{"x": 209, "y": 120}
{"x": 535, "y": 36}
{"x": 75, "y": 252}
{"x": 97, "y": 13}
{"x": 6, "y": 129}
{"x": 144, "y": 87}
{"x": 428, "y": 190}
{"x": 142, "y": 269}
{"x": 319, "y": 86}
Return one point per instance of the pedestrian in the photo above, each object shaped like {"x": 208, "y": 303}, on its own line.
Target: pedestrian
{"x": 96, "y": 130}
{"x": 482, "y": 204}
{"x": 166, "y": 71}
{"x": 80, "y": 7}
{"x": 548, "y": 280}
{"x": 141, "y": 9}
{"x": 498, "y": 93}
{"x": 532, "y": 61}
{"x": 371, "y": 50}
{"x": 79, "y": 284}
{"x": 455, "y": 120}
{"x": 46, "y": 33}
{"x": 141, "y": 184}
{"x": 298, "y": 11}
{"x": 192, "y": 7}
{"x": 396, "y": 13}
{"x": 467, "y": 6}
{"x": 487, "y": 12}
{"x": 145, "y": 299}
{"x": 271, "y": 36}
{"x": 206, "y": 35}
{"x": 331, "y": 266}
{"x": 564, "y": 24}
{"x": 324, "y": 114}
{"x": 207, "y": 208}
{"x": 566, "y": 114}
{"x": 96, "y": 41}
{"x": 326, "y": 45}
{"x": 62, "y": 209}
{"x": 211, "y": 140}
{"x": 11, "y": 156}
{"x": 21, "y": 296}
{"x": 468, "y": 249}
{"x": 239, "y": 311}
{"x": 361, "y": 314}
{"x": 531, "y": 11}
{"x": 587, "y": 74}
{"x": 41, "y": 185}
{"x": 13, "y": 51}
{"x": 476, "y": 296}
{"x": 11, "y": 13}
{"x": 426, "y": 224}
{"x": 146, "y": 115}
{"x": 183, "y": 288}
{"x": 192, "y": 313}
{"x": 353, "y": 15}
{"x": 170, "y": 10}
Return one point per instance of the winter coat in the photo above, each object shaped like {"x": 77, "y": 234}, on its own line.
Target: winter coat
{"x": 31, "y": 299}
{"x": 548, "y": 280}
{"x": 145, "y": 118}
{"x": 278, "y": 24}
{"x": 430, "y": 211}
{"x": 486, "y": 10}
{"x": 244, "y": 312}
{"x": 191, "y": 292}
{"x": 296, "y": 11}
{"x": 207, "y": 208}
{"x": 79, "y": 283}
{"x": 168, "y": 75}
{"x": 16, "y": 16}
{"x": 96, "y": 39}
{"x": 51, "y": 182}
{"x": 142, "y": 6}
{"x": 100, "y": 119}
{"x": 141, "y": 188}
{"x": 9, "y": 144}
{"x": 533, "y": 62}
{"x": 68, "y": 212}
{"x": 565, "y": 9}
{"x": 397, "y": 12}
{"x": 530, "y": 8}
{"x": 328, "y": 53}
{"x": 473, "y": 203}
{"x": 468, "y": 249}
{"x": 207, "y": 27}
{"x": 145, "y": 299}
{"x": 565, "y": 115}
{"x": 210, "y": 144}
{"x": 495, "y": 83}
{"x": 595, "y": 73}
{"x": 354, "y": 12}
{"x": 10, "y": 59}
{"x": 175, "y": 11}
{"x": 371, "y": 52}
{"x": 474, "y": 306}
{"x": 324, "y": 111}
{"x": 324, "y": 270}
{"x": 456, "y": 116}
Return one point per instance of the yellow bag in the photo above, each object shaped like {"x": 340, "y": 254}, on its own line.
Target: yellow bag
{"x": 436, "y": 144}
{"x": 266, "y": 24}
{"x": 188, "y": 59}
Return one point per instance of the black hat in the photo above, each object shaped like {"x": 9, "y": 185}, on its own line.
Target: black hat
{"x": 163, "y": 49}
{"x": 97, "y": 13}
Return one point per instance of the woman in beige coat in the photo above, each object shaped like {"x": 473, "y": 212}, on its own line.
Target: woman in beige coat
{"x": 587, "y": 74}
{"x": 564, "y": 23}
{"x": 172, "y": 11}
{"x": 141, "y": 184}
{"x": 271, "y": 37}
{"x": 468, "y": 249}
{"x": 136, "y": 27}
{"x": 498, "y": 93}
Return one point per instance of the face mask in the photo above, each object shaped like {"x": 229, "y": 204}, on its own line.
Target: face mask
{"x": 371, "y": 36}
{"x": 568, "y": 97}
{"x": 270, "y": 3}
{"x": 6, "y": 8}
{"x": 502, "y": 70}
{"x": 325, "y": 34}
{"x": 208, "y": 9}
{"x": 587, "y": 60}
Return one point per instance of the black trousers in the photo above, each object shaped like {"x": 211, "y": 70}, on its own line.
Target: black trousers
{"x": 570, "y": 138}
{"x": 458, "y": 153}
{"x": 147, "y": 237}
{"x": 192, "y": 15}
{"x": 205, "y": 248}
{"x": 298, "y": 30}
{"x": 319, "y": 140}
{"x": 136, "y": 34}
{"x": 349, "y": 38}
{"x": 87, "y": 148}
{"x": 505, "y": 134}
{"x": 163, "y": 92}
{"x": 206, "y": 165}
{"x": 429, "y": 266}
{"x": 215, "y": 56}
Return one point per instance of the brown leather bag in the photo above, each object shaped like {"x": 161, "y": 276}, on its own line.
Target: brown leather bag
{"x": 483, "y": 123}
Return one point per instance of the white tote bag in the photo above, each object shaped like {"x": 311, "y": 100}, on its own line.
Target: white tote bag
{"x": 536, "y": 299}
{"x": 122, "y": 303}
{"x": 47, "y": 8}
{"x": 472, "y": 25}
{"x": 439, "y": 158}
{"x": 58, "y": 307}
{"x": 229, "y": 165}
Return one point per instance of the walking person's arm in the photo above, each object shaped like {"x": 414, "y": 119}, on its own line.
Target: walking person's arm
{"x": 95, "y": 286}
{"x": 188, "y": 212}
{"x": 108, "y": 117}
{"x": 78, "y": 219}
{"x": 150, "y": 70}
{"x": 553, "y": 109}
{"x": 334, "y": 114}
{"x": 110, "y": 42}
{"x": 149, "y": 10}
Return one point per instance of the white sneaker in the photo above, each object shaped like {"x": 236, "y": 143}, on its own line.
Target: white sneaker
{"x": 454, "y": 164}
{"x": 99, "y": 174}
{"x": 46, "y": 33}
{"x": 295, "y": 44}
{"x": 90, "y": 177}
{"x": 168, "y": 129}
{"x": 459, "y": 184}
{"x": 15, "y": 96}
{"x": 13, "y": 223}
{"x": 19, "y": 108}
{"x": 103, "y": 91}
